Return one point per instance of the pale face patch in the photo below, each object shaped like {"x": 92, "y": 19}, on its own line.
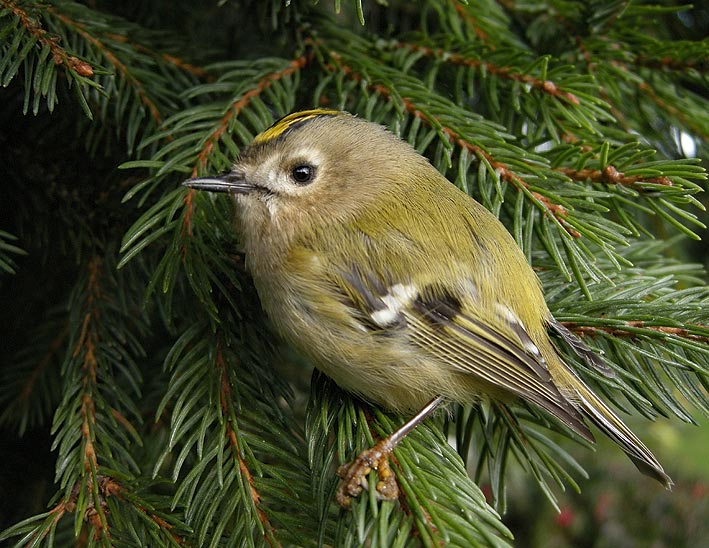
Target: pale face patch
{"x": 275, "y": 176}
{"x": 278, "y": 171}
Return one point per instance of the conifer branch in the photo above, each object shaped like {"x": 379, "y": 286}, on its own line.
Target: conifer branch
{"x": 681, "y": 332}
{"x": 545, "y": 86}
{"x": 640, "y": 82}
{"x": 110, "y": 487}
{"x": 673, "y": 111}
{"x": 120, "y": 67}
{"x": 59, "y": 54}
{"x": 85, "y": 349}
{"x": 668, "y": 62}
{"x": 55, "y": 514}
{"x": 226, "y": 401}
{"x": 54, "y": 347}
{"x": 472, "y": 23}
{"x": 587, "y": 56}
{"x": 611, "y": 176}
{"x": 505, "y": 173}
{"x": 106, "y": 488}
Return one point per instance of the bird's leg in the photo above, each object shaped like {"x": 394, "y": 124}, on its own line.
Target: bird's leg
{"x": 354, "y": 474}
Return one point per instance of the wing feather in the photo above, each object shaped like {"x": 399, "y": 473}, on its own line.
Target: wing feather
{"x": 490, "y": 355}
{"x": 498, "y": 354}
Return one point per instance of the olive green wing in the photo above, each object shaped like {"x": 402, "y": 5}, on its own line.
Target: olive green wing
{"x": 499, "y": 353}
{"x": 494, "y": 349}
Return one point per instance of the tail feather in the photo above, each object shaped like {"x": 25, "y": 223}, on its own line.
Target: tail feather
{"x": 611, "y": 425}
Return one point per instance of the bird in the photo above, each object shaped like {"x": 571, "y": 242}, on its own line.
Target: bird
{"x": 399, "y": 286}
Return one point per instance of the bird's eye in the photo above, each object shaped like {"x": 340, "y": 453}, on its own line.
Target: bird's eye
{"x": 303, "y": 174}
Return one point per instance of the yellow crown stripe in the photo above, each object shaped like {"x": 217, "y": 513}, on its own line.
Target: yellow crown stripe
{"x": 287, "y": 122}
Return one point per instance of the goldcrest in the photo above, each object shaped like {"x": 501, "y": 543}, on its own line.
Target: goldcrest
{"x": 397, "y": 285}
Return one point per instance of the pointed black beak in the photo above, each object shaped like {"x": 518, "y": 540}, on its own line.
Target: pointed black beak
{"x": 231, "y": 183}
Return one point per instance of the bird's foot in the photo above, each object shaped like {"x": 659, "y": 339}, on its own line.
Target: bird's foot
{"x": 354, "y": 475}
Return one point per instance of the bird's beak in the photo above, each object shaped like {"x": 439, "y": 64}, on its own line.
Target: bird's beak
{"x": 233, "y": 183}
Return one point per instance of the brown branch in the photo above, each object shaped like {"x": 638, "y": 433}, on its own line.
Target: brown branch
{"x": 59, "y": 510}
{"x": 110, "y": 487}
{"x": 603, "y": 94}
{"x": 681, "y": 332}
{"x": 225, "y": 402}
{"x": 611, "y": 176}
{"x": 468, "y": 18}
{"x": 85, "y": 347}
{"x": 163, "y": 525}
{"x": 59, "y": 54}
{"x": 647, "y": 90}
{"x": 85, "y": 351}
{"x": 118, "y": 65}
{"x": 545, "y": 86}
{"x": 505, "y": 173}
{"x": 107, "y": 487}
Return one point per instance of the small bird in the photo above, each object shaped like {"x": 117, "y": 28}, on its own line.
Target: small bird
{"x": 398, "y": 285}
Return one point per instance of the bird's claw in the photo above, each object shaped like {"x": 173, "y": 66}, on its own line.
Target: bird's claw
{"x": 354, "y": 475}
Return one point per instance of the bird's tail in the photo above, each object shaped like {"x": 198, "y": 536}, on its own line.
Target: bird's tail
{"x": 611, "y": 425}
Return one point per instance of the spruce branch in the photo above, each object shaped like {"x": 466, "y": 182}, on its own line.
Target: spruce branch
{"x": 96, "y": 355}
{"x": 649, "y": 329}
{"x": 243, "y": 452}
{"x": 474, "y": 23}
{"x": 697, "y": 126}
{"x": 619, "y": 76}
{"x": 431, "y": 477}
{"x": 226, "y": 401}
{"x": 128, "y": 508}
{"x": 7, "y": 251}
{"x": 84, "y": 354}
{"x": 59, "y": 55}
{"x": 29, "y": 388}
{"x": 113, "y": 61}
{"x": 693, "y": 332}
{"x": 179, "y": 62}
{"x": 511, "y": 73}
{"x": 692, "y": 60}
{"x": 487, "y": 435}
{"x": 99, "y": 61}
{"x": 611, "y": 176}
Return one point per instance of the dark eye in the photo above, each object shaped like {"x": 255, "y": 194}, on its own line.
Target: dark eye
{"x": 303, "y": 174}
